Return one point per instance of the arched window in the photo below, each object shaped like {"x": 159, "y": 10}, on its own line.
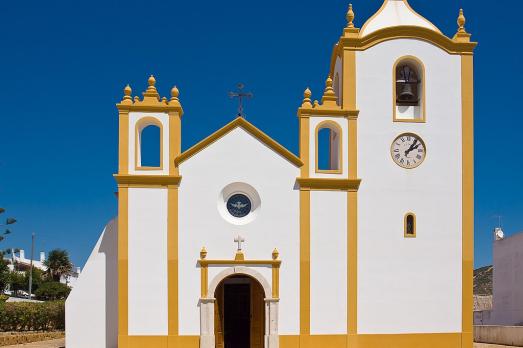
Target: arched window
{"x": 410, "y": 225}
{"x": 328, "y": 148}
{"x": 409, "y": 94}
{"x": 149, "y": 147}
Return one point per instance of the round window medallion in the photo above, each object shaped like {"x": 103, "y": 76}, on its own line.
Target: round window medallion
{"x": 239, "y": 205}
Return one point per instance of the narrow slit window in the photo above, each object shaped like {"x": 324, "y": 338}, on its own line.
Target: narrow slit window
{"x": 410, "y": 225}
{"x": 149, "y": 154}
{"x": 328, "y": 148}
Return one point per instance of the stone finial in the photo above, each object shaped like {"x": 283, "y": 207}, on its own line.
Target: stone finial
{"x": 275, "y": 254}
{"x": 316, "y": 104}
{"x": 151, "y": 81}
{"x": 175, "y": 93}
{"x": 461, "y": 35}
{"x": 127, "y": 99}
{"x": 203, "y": 253}
{"x": 350, "y": 17}
{"x": 307, "y": 98}
{"x": 175, "y": 101}
{"x": 151, "y": 91}
{"x": 461, "y": 21}
{"x": 329, "y": 96}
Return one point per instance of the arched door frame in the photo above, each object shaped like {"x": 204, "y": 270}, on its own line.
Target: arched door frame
{"x": 207, "y": 339}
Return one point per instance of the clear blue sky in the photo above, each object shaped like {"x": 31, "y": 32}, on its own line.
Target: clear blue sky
{"x": 64, "y": 65}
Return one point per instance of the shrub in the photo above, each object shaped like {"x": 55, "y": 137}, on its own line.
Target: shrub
{"x": 30, "y": 316}
{"x": 52, "y": 291}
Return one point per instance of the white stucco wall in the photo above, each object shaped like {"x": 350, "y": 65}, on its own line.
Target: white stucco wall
{"x": 92, "y": 304}
{"x": 508, "y": 281}
{"x": 238, "y": 157}
{"x": 328, "y": 231}
{"x": 147, "y": 240}
{"x": 409, "y": 285}
{"x": 162, "y": 118}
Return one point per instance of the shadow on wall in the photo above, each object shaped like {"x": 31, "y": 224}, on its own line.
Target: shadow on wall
{"x": 109, "y": 247}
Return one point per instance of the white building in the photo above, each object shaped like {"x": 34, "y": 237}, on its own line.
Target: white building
{"x": 507, "y": 282}
{"x": 363, "y": 240}
{"x": 22, "y": 264}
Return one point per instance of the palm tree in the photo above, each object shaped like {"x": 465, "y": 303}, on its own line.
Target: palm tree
{"x": 58, "y": 264}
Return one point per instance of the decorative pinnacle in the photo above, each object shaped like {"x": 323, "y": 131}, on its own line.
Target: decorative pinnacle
{"x": 329, "y": 96}
{"x": 203, "y": 253}
{"x": 127, "y": 99}
{"x": 151, "y": 91}
{"x": 175, "y": 93}
{"x": 461, "y": 22}
{"x": 307, "y": 98}
{"x": 275, "y": 254}
{"x": 350, "y": 17}
{"x": 151, "y": 80}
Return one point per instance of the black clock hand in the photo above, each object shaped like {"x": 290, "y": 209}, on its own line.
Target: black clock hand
{"x": 412, "y": 147}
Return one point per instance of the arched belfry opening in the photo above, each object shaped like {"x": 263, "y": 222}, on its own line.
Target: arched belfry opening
{"x": 409, "y": 89}
{"x": 239, "y": 313}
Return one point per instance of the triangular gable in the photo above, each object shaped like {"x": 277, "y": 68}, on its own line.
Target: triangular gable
{"x": 249, "y": 128}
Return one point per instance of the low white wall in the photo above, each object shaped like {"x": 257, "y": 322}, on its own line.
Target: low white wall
{"x": 505, "y": 335}
{"x": 91, "y": 312}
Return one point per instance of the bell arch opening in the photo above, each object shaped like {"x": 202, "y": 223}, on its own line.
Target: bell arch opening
{"x": 409, "y": 89}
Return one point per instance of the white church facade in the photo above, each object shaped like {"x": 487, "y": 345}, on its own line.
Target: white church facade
{"x": 254, "y": 246}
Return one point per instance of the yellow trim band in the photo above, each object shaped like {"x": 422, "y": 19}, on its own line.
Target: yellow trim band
{"x": 467, "y": 90}
{"x": 172, "y": 258}
{"x": 408, "y": 32}
{"x": 305, "y": 261}
{"x": 329, "y": 184}
{"x": 159, "y": 180}
{"x": 123, "y": 201}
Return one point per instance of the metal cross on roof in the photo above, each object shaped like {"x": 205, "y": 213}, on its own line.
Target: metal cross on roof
{"x": 240, "y": 94}
{"x": 239, "y": 240}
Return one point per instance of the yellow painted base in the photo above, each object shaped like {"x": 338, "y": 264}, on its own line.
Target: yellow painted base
{"x": 158, "y": 341}
{"x": 447, "y": 340}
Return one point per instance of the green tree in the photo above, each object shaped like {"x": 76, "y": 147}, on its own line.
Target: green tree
{"x": 52, "y": 291}
{"x": 58, "y": 264}
{"x": 17, "y": 281}
{"x": 38, "y": 279}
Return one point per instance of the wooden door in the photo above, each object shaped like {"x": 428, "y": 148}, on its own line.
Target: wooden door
{"x": 257, "y": 314}
{"x": 218, "y": 317}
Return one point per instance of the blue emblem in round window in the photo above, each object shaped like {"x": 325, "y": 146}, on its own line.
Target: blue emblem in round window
{"x": 239, "y": 205}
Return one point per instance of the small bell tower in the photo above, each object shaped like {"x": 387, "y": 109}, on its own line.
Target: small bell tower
{"x": 135, "y": 115}
{"x": 148, "y": 217}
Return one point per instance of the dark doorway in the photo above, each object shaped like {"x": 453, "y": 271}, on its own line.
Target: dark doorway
{"x": 237, "y": 321}
{"x": 239, "y": 313}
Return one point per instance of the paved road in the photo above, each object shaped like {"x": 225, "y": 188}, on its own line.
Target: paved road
{"x": 59, "y": 343}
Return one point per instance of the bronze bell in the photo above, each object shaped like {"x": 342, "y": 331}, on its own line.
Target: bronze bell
{"x": 406, "y": 93}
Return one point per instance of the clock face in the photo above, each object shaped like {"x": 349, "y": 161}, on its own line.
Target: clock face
{"x": 408, "y": 150}
{"x": 239, "y": 205}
